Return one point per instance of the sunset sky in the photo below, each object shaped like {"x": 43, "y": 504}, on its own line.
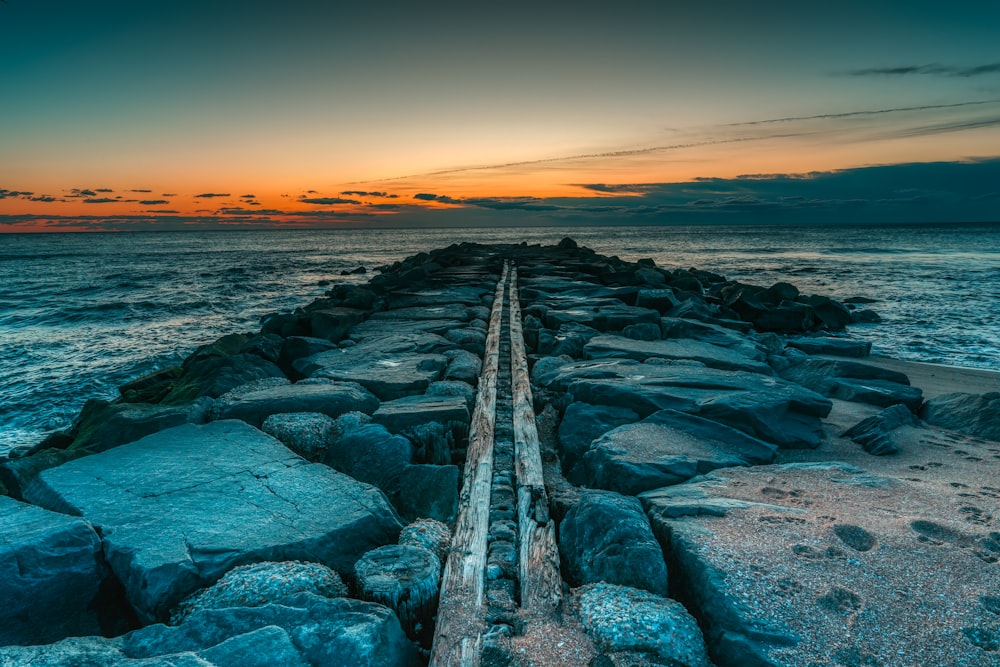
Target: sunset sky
{"x": 166, "y": 115}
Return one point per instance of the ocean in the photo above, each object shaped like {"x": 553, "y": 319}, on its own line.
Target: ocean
{"x": 82, "y": 313}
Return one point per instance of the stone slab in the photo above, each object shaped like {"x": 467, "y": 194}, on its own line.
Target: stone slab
{"x": 179, "y": 508}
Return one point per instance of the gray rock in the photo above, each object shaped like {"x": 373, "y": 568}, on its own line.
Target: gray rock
{"x": 321, "y": 631}
{"x": 463, "y": 365}
{"x": 661, "y": 300}
{"x": 298, "y": 347}
{"x": 334, "y": 323}
{"x": 610, "y": 317}
{"x": 471, "y": 339}
{"x": 174, "y": 507}
{"x": 706, "y": 332}
{"x": 606, "y": 537}
{"x": 454, "y": 388}
{"x": 384, "y": 328}
{"x": 262, "y": 583}
{"x": 630, "y": 621}
{"x": 874, "y": 433}
{"x": 876, "y": 392}
{"x": 429, "y": 534}
{"x": 466, "y": 296}
{"x": 308, "y": 434}
{"x": 212, "y": 375}
{"x": 103, "y": 425}
{"x": 841, "y": 347}
{"x": 332, "y": 399}
{"x": 973, "y": 414}
{"x": 444, "y": 311}
{"x": 779, "y": 412}
{"x": 784, "y": 562}
{"x": 429, "y": 492}
{"x": 386, "y": 373}
{"x": 581, "y": 424}
{"x": 568, "y": 340}
{"x": 645, "y": 331}
{"x": 655, "y": 453}
{"x": 713, "y": 356}
{"x": 406, "y": 579}
{"x": 403, "y": 413}
{"x": 371, "y": 454}
{"x": 819, "y": 374}
{"x": 52, "y": 568}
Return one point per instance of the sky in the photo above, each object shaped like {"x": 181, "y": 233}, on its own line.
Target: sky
{"x": 170, "y": 115}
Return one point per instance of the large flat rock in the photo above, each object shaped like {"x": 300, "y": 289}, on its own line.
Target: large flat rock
{"x": 779, "y": 412}
{"x": 801, "y": 564}
{"x": 667, "y": 448}
{"x": 713, "y": 356}
{"x": 52, "y": 568}
{"x": 304, "y": 630}
{"x": 331, "y": 399}
{"x": 179, "y": 508}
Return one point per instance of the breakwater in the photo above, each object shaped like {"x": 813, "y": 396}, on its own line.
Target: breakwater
{"x": 653, "y": 471}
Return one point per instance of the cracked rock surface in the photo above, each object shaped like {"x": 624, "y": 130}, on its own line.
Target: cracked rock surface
{"x": 178, "y": 509}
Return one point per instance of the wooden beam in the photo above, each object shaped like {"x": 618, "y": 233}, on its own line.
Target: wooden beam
{"x": 461, "y": 616}
{"x": 538, "y": 554}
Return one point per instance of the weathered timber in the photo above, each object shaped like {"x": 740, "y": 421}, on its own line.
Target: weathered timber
{"x": 538, "y": 557}
{"x": 461, "y": 623}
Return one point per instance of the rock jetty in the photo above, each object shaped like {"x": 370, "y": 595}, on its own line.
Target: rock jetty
{"x": 516, "y": 455}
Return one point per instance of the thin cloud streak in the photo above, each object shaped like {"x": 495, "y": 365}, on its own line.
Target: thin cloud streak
{"x": 933, "y": 69}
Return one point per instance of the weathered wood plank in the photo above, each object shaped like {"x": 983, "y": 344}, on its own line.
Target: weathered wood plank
{"x": 538, "y": 554}
{"x": 461, "y": 618}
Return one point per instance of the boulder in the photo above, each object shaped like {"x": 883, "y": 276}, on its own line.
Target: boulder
{"x": 263, "y": 583}
{"x": 779, "y": 412}
{"x": 173, "y": 509}
{"x": 972, "y": 414}
{"x": 660, "y": 300}
{"x": 667, "y": 448}
{"x": 609, "y": 317}
{"x": 371, "y": 454}
{"x": 406, "y": 579}
{"x": 429, "y": 534}
{"x": 833, "y": 315}
{"x": 470, "y": 339}
{"x": 706, "y": 332}
{"x": 429, "y": 492}
{"x": 444, "y": 311}
{"x": 214, "y": 369}
{"x": 52, "y": 570}
{"x": 304, "y": 629}
{"x": 581, "y": 424}
{"x": 841, "y": 347}
{"x": 332, "y": 399}
{"x": 298, "y": 347}
{"x": 404, "y": 413}
{"x": 876, "y": 392}
{"x": 874, "y": 433}
{"x": 819, "y": 374}
{"x": 569, "y": 340}
{"x": 784, "y": 563}
{"x": 713, "y": 356}
{"x": 383, "y": 328}
{"x": 454, "y": 388}
{"x": 463, "y": 295}
{"x": 333, "y": 323}
{"x": 639, "y": 627}
{"x": 463, "y": 365}
{"x": 308, "y": 434}
{"x": 645, "y": 331}
{"x": 606, "y": 537}
{"x": 384, "y": 371}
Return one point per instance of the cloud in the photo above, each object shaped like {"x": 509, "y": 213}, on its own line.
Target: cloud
{"x": 249, "y": 211}
{"x": 327, "y": 201}
{"x": 13, "y": 194}
{"x": 160, "y": 210}
{"x": 615, "y": 188}
{"x": 105, "y": 190}
{"x": 425, "y": 196}
{"x": 77, "y": 192}
{"x": 169, "y": 194}
{"x": 868, "y": 112}
{"x": 933, "y": 69}
{"x": 139, "y": 190}
{"x": 44, "y": 198}
{"x": 363, "y": 193}
{"x": 153, "y": 202}
{"x": 100, "y": 200}
{"x": 248, "y": 196}
{"x": 209, "y": 195}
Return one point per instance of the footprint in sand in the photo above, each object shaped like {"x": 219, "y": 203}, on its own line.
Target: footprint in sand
{"x": 855, "y": 537}
{"x": 990, "y": 603}
{"x": 840, "y": 601}
{"x": 935, "y": 532}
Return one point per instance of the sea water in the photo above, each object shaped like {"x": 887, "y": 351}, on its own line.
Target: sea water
{"x": 81, "y": 314}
